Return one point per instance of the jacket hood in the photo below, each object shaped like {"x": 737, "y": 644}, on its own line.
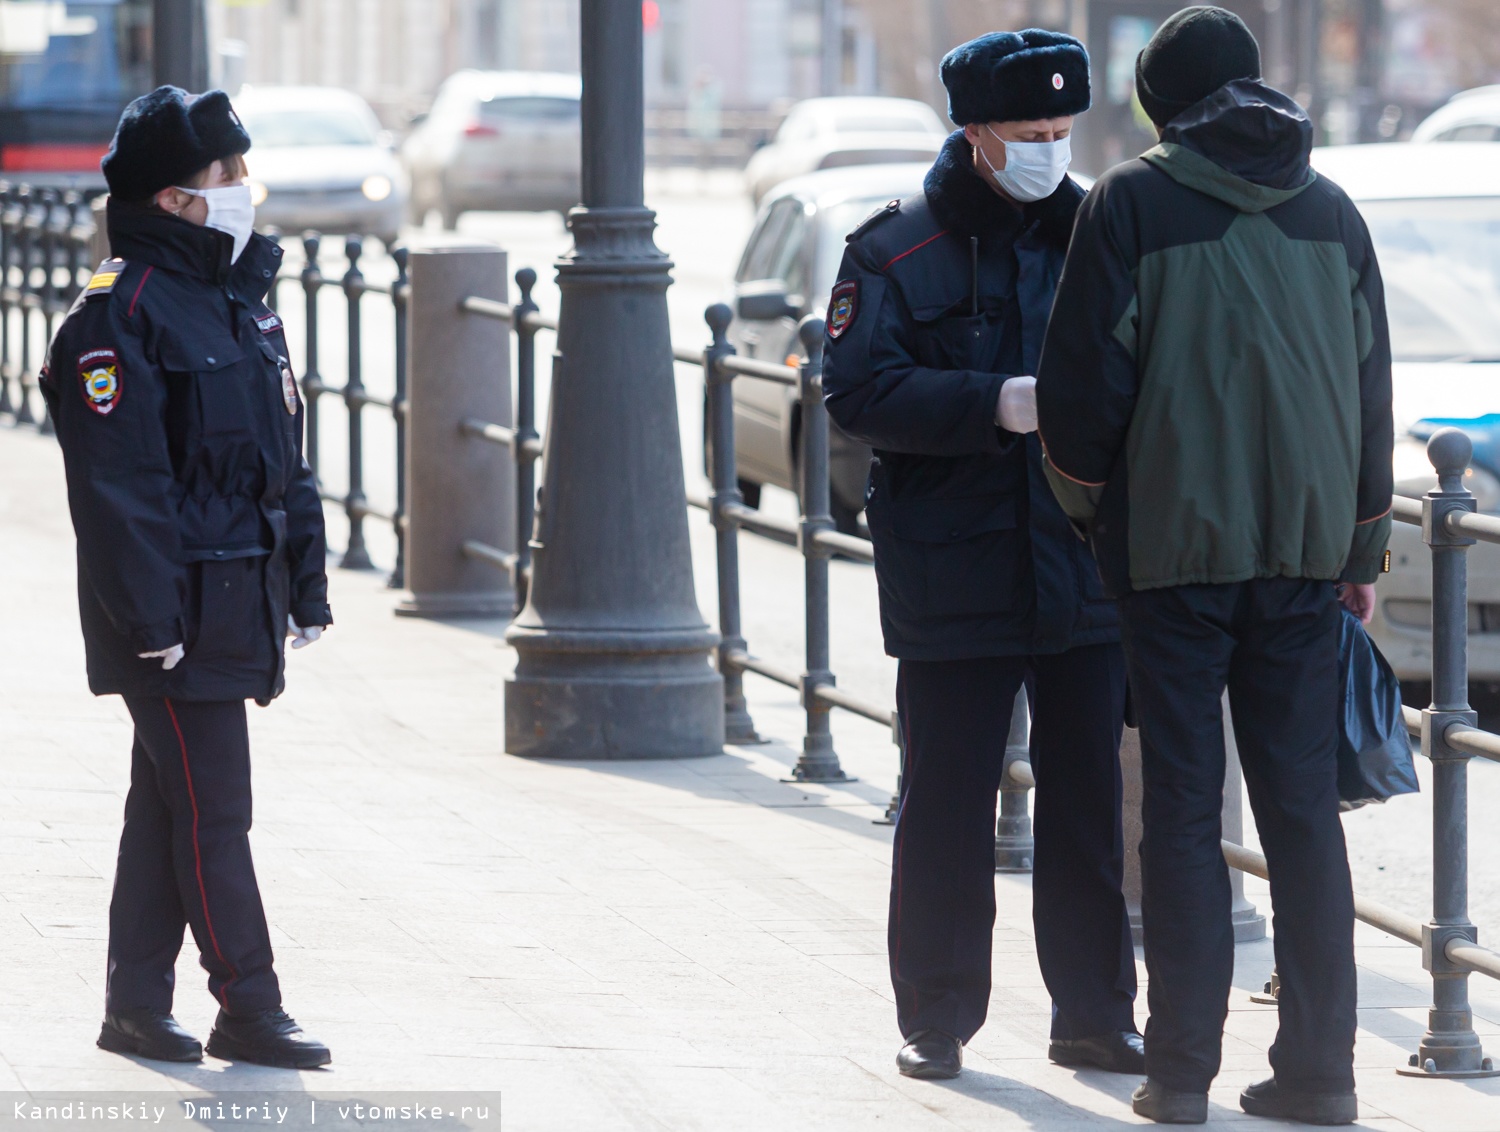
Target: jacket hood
{"x": 962, "y": 202}
{"x": 1246, "y": 144}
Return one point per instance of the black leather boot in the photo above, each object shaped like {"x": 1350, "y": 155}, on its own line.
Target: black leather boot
{"x": 270, "y": 1037}
{"x": 931, "y": 1055}
{"x": 1267, "y": 1098}
{"x": 1120, "y": 1052}
{"x": 1155, "y": 1101}
{"x": 148, "y": 1033}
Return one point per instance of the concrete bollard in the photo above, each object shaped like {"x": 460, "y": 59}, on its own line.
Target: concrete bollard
{"x": 459, "y": 487}
{"x": 1249, "y": 924}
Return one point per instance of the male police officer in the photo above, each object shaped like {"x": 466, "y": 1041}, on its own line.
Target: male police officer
{"x": 935, "y": 322}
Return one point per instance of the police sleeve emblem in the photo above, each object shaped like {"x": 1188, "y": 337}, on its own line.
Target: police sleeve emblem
{"x": 843, "y": 305}
{"x": 99, "y": 378}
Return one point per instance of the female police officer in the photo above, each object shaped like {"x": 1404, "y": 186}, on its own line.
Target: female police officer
{"x": 200, "y": 547}
{"x": 934, "y": 324}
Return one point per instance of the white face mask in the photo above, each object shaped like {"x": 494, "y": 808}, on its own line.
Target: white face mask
{"x": 1033, "y": 170}
{"x": 229, "y": 210}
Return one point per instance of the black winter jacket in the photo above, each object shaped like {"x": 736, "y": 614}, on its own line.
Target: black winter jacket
{"x": 940, "y": 298}
{"x": 198, "y": 520}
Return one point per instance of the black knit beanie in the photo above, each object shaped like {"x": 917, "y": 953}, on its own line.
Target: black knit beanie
{"x": 1192, "y": 55}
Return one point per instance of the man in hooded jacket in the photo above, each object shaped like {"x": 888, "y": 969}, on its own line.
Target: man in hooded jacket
{"x": 1214, "y": 399}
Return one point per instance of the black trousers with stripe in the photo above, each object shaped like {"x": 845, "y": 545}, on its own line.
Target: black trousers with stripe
{"x": 185, "y": 860}
{"x": 956, "y": 716}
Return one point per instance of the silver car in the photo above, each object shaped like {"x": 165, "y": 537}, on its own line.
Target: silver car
{"x": 786, "y": 272}
{"x": 497, "y": 141}
{"x": 320, "y": 160}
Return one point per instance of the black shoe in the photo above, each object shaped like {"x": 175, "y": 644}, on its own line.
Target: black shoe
{"x": 148, "y": 1033}
{"x": 1266, "y": 1098}
{"x": 267, "y": 1038}
{"x": 931, "y": 1055}
{"x": 1155, "y": 1101}
{"x": 1121, "y": 1052}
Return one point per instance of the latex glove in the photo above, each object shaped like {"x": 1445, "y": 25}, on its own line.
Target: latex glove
{"x": 170, "y": 658}
{"x": 1358, "y": 599}
{"x": 303, "y": 637}
{"x": 1016, "y": 409}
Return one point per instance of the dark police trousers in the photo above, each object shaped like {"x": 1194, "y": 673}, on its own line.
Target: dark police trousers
{"x": 185, "y": 859}
{"x": 956, "y": 715}
{"x": 1275, "y": 643}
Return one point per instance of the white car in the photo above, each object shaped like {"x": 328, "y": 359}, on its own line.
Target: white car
{"x": 825, "y": 133}
{"x": 497, "y": 141}
{"x": 1434, "y": 215}
{"x": 1469, "y": 116}
{"x": 319, "y": 160}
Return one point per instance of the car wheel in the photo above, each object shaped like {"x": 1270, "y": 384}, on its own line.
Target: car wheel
{"x": 845, "y": 518}
{"x": 750, "y": 490}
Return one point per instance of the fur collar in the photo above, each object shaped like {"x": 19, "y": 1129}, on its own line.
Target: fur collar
{"x": 964, "y": 204}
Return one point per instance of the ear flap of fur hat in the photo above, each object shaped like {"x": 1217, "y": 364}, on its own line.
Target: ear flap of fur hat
{"x": 167, "y": 136}
{"x": 1016, "y": 77}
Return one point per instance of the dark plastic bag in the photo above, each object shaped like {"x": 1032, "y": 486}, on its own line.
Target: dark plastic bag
{"x": 1375, "y": 760}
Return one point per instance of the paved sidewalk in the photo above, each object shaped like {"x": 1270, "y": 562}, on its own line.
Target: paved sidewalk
{"x": 689, "y": 945}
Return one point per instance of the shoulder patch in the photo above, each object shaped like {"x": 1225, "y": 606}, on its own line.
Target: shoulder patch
{"x": 268, "y": 322}
{"x": 843, "y": 307}
{"x": 99, "y": 380}
{"x": 106, "y": 275}
{"x": 880, "y": 214}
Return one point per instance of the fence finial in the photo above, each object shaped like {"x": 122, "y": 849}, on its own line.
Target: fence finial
{"x": 526, "y": 280}
{"x": 718, "y": 317}
{"x": 1450, "y": 450}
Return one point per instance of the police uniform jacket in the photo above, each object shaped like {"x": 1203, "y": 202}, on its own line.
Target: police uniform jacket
{"x": 198, "y": 520}
{"x": 941, "y": 298}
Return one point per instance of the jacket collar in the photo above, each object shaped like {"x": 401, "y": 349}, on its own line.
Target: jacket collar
{"x": 963, "y": 203}
{"x": 159, "y": 239}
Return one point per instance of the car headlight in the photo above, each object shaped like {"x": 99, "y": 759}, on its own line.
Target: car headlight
{"x": 377, "y": 186}
{"x": 258, "y": 193}
{"x": 1415, "y": 476}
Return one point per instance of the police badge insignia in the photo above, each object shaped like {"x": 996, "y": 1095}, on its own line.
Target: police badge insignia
{"x": 288, "y": 388}
{"x": 99, "y": 378}
{"x": 843, "y": 305}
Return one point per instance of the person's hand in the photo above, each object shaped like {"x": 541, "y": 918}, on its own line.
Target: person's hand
{"x": 1358, "y": 599}
{"x": 170, "y": 658}
{"x": 302, "y": 637}
{"x": 1016, "y": 410}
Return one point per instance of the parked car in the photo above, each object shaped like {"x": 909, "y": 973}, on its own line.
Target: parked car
{"x": 1434, "y": 216}
{"x": 786, "y": 272}
{"x": 1469, "y": 116}
{"x": 497, "y": 140}
{"x": 827, "y": 133}
{"x": 320, "y": 160}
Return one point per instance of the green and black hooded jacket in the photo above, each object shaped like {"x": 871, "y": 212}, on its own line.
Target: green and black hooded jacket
{"x": 1215, "y": 388}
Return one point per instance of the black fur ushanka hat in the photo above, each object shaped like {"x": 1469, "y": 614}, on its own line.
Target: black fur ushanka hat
{"x": 165, "y": 137}
{"x": 1010, "y": 76}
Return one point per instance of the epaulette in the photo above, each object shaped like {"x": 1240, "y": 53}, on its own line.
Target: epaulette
{"x": 883, "y": 213}
{"x": 105, "y": 277}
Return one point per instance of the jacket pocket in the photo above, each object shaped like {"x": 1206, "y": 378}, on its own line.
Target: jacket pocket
{"x": 948, "y": 557}
{"x": 230, "y": 623}
{"x": 969, "y": 342}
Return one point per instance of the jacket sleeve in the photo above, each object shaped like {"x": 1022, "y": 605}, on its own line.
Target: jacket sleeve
{"x": 121, "y": 487}
{"x": 307, "y": 544}
{"x": 1087, "y": 378}
{"x": 878, "y": 392}
{"x": 1372, "y": 529}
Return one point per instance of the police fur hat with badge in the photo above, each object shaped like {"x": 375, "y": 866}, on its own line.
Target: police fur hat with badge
{"x": 167, "y": 136}
{"x": 1016, "y": 76}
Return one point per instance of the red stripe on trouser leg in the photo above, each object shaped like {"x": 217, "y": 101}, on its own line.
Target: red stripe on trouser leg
{"x": 198, "y": 858}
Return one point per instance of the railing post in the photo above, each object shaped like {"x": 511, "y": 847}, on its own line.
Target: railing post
{"x": 7, "y": 250}
{"x": 1450, "y": 1047}
{"x": 312, "y": 380}
{"x": 399, "y": 304}
{"x": 526, "y": 435}
{"x": 27, "y": 242}
{"x": 725, "y": 490}
{"x": 818, "y": 762}
{"x": 51, "y": 200}
{"x": 459, "y": 488}
{"x": 356, "y": 556}
{"x": 1015, "y": 847}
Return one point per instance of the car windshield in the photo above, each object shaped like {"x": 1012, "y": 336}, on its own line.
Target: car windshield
{"x": 834, "y": 223}
{"x": 1441, "y": 263}
{"x": 278, "y": 129}
{"x": 866, "y": 124}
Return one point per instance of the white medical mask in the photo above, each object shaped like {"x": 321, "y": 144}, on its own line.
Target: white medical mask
{"x": 229, "y": 210}
{"x": 1033, "y": 170}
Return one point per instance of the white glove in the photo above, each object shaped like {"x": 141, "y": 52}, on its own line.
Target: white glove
{"x": 303, "y": 637}
{"x": 1016, "y": 409}
{"x": 170, "y": 658}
